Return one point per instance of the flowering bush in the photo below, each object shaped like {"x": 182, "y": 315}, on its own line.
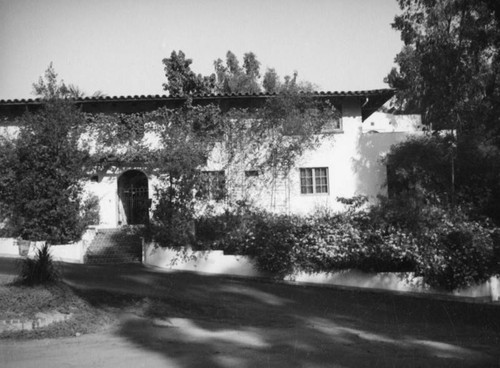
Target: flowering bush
{"x": 449, "y": 252}
{"x": 456, "y": 255}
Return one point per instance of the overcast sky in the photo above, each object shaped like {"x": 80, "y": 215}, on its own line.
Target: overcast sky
{"x": 117, "y": 46}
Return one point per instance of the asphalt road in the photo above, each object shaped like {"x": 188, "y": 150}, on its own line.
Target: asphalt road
{"x": 231, "y": 322}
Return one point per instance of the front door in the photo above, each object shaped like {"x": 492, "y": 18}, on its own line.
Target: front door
{"x": 134, "y": 197}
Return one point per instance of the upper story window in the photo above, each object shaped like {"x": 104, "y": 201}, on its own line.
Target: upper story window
{"x": 332, "y": 126}
{"x": 314, "y": 180}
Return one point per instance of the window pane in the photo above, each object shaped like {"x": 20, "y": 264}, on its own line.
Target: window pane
{"x": 321, "y": 180}
{"x": 306, "y": 181}
{"x": 219, "y": 190}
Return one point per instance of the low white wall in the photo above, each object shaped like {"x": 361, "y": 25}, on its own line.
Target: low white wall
{"x": 201, "y": 261}
{"x": 393, "y": 281}
{"x": 8, "y": 248}
{"x": 355, "y": 278}
{"x": 69, "y": 253}
{"x": 215, "y": 262}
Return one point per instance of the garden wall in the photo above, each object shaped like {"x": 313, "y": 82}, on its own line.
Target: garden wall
{"x": 8, "y": 247}
{"x": 70, "y": 253}
{"x": 215, "y": 262}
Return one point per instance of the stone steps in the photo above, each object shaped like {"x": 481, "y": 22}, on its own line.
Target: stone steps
{"x": 114, "y": 246}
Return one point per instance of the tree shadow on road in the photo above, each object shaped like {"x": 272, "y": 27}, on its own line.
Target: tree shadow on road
{"x": 209, "y": 321}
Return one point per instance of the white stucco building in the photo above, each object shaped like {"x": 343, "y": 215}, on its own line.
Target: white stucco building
{"x": 346, "y": 163}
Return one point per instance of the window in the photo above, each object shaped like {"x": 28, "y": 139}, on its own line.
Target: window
{"x": 251, "y": 173}
{"x": 314, "y": 180}
{"x": 295, "y": 127}
{"x": 332, "y": 126}
{"x": 213, "y": 185}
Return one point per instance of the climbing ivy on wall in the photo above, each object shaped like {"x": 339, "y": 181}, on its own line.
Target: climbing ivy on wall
{"x": 271, "y": 137}
{"x": 59, "y": 147}
{"x": 175, "y": 145}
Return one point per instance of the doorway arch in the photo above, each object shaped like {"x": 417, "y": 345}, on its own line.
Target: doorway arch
{"x": 133, "y": 193}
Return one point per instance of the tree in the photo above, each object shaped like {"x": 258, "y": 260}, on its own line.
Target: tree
{"x": 50, "y": 89}
{"x": 231, "y": 78}
{"x": 448, "y": 72}
{"x": 448, "y": 68}
{"x": 8, "y": 164}
{"x": 271, "y": 82}
{"x": 181, "y": 80}
{"x": 41, "y": 186}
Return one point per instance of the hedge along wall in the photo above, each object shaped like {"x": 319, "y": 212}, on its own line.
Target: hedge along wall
{"x": 215, "y": 262}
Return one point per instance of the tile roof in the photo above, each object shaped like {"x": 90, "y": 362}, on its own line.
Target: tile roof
{"x": 138, "y": 103}
{"x": 212, "y": 95}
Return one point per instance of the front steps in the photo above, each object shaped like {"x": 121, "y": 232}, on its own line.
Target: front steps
{"x": 114, "y": 246}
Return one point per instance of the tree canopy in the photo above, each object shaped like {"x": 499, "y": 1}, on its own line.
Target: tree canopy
{"x": 448, "y": 71}
{"x": 43, "y": 169}
{"x": 50, "y": 88}
{"x": 448, "y": 68}
{"x": 181, "y": 80}
{"x": 228, "y": 77}
{"x": 232, "y": 78}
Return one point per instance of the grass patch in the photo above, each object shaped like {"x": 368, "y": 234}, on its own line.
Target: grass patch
{"x": 22, "y": 302}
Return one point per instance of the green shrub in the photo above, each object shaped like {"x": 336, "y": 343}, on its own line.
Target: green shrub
{"x": 40, "y": 270}
{"x": 230, "y": 231}
{"x": 173, "y": 221}
{"x": 282, "y": 245}
{"x": 420, "y": 165}
{"x": 275, "y": 244}
{"x": 456, "y": 255}
{"x": 442, "y": 245}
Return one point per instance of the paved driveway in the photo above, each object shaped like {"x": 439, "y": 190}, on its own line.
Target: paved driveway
{"x": 208, "y": 321}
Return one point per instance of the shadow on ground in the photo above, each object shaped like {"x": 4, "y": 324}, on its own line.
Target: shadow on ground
{"x": 208, "y": 321}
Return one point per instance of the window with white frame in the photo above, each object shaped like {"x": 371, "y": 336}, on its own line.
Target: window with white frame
{"x": 314, "y": 180}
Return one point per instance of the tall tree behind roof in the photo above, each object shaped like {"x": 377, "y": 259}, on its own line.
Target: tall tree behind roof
{"x": 232, "y": 78}
{"x": 181, "y": 80}
{"x": 229, "y": 77}
{"x": 49, "y": 88}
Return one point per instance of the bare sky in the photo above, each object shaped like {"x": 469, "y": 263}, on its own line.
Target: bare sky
{"x": 117, "y": 46}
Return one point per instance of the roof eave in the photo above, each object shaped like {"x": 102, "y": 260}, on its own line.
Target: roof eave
{"x": 371, "y": 101}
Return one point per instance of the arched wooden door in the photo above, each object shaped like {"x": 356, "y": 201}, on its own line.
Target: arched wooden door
{"x": 134, "y": 196}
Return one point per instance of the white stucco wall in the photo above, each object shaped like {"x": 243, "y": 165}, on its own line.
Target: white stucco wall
{"x": 336, "y": 153}
{"x": 216, "y": 262}
{"x": 106, "y": 191}
{"x": 354, "y": 162}
{"x": 352, "y": 156}
{"x": 382, "y": 122}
